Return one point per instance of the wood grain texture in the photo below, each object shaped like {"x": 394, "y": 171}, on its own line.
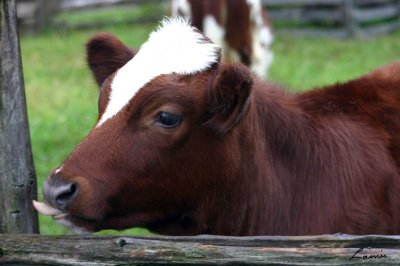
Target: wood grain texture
{"x": 17, "y": 173}
{"x": 200, "y": 250}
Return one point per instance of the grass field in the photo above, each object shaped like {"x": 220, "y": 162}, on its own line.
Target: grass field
{"x": 62, "y": 96}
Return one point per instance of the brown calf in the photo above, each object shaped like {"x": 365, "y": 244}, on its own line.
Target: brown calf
{"x": 187, "y": 145}
{"x": 240, "y": 27}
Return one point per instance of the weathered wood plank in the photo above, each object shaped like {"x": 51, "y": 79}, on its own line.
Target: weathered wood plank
{"x": 304, "y": 15}
{"x": 201, "y": 250}
{"x": 380, "y": 29}
{"x": 351, "y": 23}
{"x": 17, "y": 173}
{"x": 348, "y": 16}
{"x": 71, "y": 5}
{"x": 335, "y": 33}
{"x": 111, "y": 22}
{"x": 376, "y": 13}
{"x": 361, "y": 3}
{"x": 35, "y": 15}
{"x": 321, "y": 2}
{"x": 300, "y": 2}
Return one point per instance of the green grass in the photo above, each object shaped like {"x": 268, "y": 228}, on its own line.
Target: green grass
{"x": 62, "y": 96}
{"x": 303, "y": 63}
{"x": 114, "y": 15}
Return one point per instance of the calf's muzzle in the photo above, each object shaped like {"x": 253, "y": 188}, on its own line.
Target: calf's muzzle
{"x": 59, "y": 192}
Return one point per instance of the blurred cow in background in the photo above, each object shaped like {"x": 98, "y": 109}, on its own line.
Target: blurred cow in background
{"x": 240, "y": 27}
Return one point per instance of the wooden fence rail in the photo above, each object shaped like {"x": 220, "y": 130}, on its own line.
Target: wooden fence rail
{"x": 338, "y": 18}
{"x": 202, "y": 250}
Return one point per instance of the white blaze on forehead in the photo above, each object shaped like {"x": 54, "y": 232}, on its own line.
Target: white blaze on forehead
{"x": 175, "y": 47}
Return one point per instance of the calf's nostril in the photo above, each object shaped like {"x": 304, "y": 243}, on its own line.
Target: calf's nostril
{"x": 65, "y": 193}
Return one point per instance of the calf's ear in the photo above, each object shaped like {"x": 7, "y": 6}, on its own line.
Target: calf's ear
{"x": 106, "y": 54}
{"x": 229, "y": 97}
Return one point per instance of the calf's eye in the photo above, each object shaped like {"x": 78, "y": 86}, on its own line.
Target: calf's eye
{"x": 168, "y": 120}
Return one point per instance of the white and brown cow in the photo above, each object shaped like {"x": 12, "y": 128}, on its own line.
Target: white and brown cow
{"x": 185, "y": 144}
{"x": 240, "y": 27}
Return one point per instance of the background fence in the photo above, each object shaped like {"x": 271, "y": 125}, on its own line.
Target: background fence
{"x": 35, "y": 15}
{"x": 336, "y": 18}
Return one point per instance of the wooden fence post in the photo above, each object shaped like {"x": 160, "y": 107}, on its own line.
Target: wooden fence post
{"x": 40, "y": 15}
{"x": 351, "y": 24}
{"x": 17, "y": 172}
{"x": 398, "y": 11}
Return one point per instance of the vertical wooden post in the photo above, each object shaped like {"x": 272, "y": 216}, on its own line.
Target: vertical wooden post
{"x": 17, "y": 172}
{"x": 40, "y": 15}
{"x": 398, "y": 14}
{"x": 351, "y": 24}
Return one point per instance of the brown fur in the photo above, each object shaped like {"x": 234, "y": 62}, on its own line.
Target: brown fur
{"x": 239, "y": 31}
{"x": 248, "y": 159}
{"x": 206, "y": 7}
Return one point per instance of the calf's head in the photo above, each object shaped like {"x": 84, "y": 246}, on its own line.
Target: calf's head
{"x": 160, "y": 148}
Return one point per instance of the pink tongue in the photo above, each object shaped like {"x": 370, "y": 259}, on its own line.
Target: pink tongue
{"x": 45, "y": 209}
